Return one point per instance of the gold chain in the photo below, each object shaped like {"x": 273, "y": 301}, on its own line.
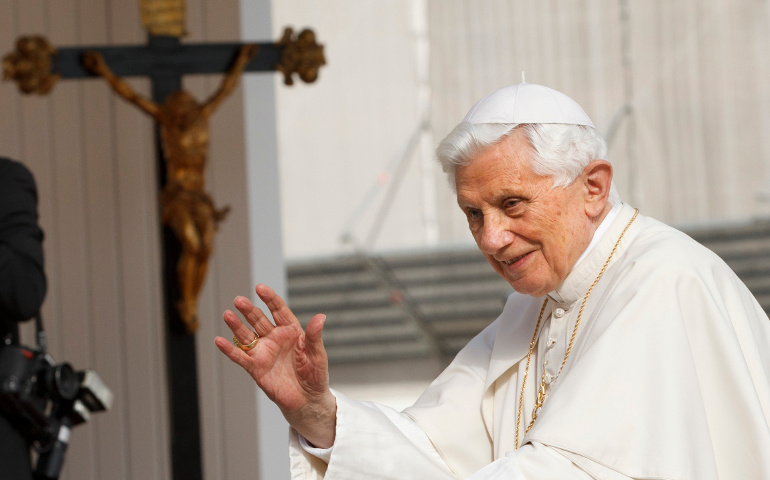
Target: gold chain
{"x": 526, "y": 371}
{"x": 541, "y": 394}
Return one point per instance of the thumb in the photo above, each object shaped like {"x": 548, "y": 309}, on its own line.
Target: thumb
{"x": 314, "y": 346}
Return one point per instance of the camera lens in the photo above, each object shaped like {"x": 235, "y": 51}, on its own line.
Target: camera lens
{"x": 65, "y": 381}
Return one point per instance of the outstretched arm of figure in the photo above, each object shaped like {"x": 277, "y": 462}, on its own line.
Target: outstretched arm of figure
{"x": 288, "y": 364}
{"x": 245, "y": 54}
{"x": 94, "y": 62}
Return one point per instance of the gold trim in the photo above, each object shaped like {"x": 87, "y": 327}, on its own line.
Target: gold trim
{"x": 300, "y": 55}
{"x": 163, "y": 17}
{"x": 30, "y": 66}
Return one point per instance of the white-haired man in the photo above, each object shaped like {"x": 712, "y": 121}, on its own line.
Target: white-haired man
{"x": 627, "y": 351}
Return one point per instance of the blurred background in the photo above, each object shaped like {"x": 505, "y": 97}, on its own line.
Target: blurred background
{"x": 336, "y": 199}
{"x": 679, "y": 89}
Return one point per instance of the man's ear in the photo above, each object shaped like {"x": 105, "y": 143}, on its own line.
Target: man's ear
{"x": 597, "y": 180}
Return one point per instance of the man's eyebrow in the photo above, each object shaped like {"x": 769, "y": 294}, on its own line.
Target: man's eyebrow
{"x": 463, "y": 203}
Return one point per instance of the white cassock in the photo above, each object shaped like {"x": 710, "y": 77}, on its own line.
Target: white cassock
{"x": 668, "y": 378}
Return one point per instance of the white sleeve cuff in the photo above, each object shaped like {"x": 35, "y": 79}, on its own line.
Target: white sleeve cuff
{"x": 324, "y": 454}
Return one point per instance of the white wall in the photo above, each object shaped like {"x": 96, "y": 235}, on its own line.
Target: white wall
{"x": 696, "y": 150}
{"x": 337, "y": 137}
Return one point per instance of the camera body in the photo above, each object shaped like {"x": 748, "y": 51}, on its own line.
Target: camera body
{"x": 43, "y": 400}
{"x": 30, "y": 385}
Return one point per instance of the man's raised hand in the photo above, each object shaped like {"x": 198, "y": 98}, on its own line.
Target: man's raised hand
{"x": 287, "y": 363}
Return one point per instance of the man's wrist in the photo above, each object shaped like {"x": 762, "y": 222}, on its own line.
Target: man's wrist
{"x": 316, "y": 422}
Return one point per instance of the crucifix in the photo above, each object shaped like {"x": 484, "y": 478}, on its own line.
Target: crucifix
{"x": 189, "y": 217}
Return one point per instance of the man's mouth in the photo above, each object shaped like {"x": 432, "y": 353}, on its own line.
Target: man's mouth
{"x": 514, "y": 260}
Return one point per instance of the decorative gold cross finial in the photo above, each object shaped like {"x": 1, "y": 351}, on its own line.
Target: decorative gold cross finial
{"x": 301, "y": 55}
{"x": 163, "y": 17}
{"x": 30, "y": 65}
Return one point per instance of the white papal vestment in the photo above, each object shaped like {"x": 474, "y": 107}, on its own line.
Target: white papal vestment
{"x": 668, "y": 378}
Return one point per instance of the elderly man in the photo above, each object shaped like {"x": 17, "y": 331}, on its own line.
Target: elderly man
{"x": 627, "y": 351}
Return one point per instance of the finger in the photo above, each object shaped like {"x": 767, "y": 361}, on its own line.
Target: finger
{"x": 243, "y": 333}
{"x": 253, "y": 315}
{"x": 278, "y": 308}
{"x": 235, "y": 354}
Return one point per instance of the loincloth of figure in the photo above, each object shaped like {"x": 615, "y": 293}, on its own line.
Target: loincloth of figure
{"x": 179, "y": 202}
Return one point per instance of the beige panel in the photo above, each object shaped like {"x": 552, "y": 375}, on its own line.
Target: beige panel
{"x": 10, "y": 145}
{"x": 110, "y": 450}
{"x": 35, "y": 151}
{"x": 228, "y": 398}
{"x": 11, "y": 124}
{"x": 202, "y": 86}
{"x": 141, "y": 310}
{"x": 227, "y": 402}
{"x": 94, "y": 160}
{"x": 69, "y": 218}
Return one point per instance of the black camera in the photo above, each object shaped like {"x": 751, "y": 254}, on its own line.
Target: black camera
{"x": 43, "y": 400}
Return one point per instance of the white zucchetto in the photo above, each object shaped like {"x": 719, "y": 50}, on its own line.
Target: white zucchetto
{"x": 527, "y": 103}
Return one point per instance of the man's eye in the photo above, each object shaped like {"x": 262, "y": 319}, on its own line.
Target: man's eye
{"x": 512, "y": 203}
{"x": 473, "y": 214}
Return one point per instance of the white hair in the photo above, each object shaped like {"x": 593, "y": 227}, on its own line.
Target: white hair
{"x": 559, "y": 151}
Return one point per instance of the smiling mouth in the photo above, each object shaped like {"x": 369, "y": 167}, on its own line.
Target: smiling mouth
{"x": 514, "y": 260}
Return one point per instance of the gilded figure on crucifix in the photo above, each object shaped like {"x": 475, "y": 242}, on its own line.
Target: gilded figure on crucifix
{"x": 186, "y": 208}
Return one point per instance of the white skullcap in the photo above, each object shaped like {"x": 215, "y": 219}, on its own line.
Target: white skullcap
{"x": 527, "y": 103}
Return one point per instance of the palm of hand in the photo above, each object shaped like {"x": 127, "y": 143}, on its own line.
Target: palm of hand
{"x": 283, "y": 370}
{"x": 288, "y": 364}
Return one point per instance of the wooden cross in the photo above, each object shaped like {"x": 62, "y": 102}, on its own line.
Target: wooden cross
{"x": 36, "y": 66}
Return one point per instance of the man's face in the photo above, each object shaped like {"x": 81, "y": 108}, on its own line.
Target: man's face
{"x": 531, "y": 233}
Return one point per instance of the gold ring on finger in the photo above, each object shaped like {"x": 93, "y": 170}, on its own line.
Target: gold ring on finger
{"x": 248, "y": 346}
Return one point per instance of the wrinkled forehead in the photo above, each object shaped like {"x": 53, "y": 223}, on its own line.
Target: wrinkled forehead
{"x": 510, "y": 160}
{"x": 516, "y": 143}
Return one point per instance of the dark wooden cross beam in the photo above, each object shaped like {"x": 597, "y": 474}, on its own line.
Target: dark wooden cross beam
{"x": 36, "y": 66}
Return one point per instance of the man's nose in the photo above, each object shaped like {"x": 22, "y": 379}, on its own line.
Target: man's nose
{"x": 495, "y": 235}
